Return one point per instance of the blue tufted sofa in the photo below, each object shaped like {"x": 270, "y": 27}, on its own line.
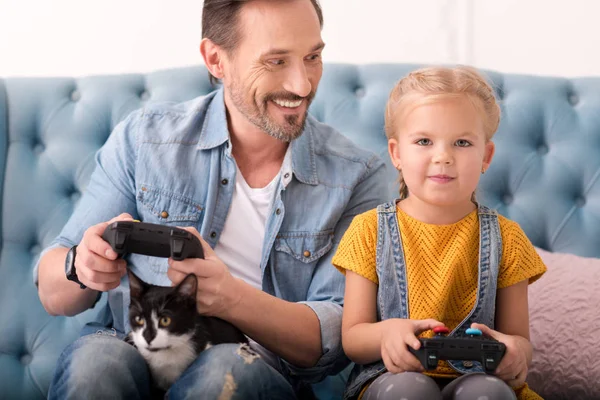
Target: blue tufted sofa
{"x": 545, "y": 174}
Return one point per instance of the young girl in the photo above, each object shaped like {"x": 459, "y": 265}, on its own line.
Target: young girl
{"x": 435, "y": 257}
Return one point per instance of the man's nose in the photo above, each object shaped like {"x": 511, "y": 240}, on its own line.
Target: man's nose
{"x": 297, "y": 81}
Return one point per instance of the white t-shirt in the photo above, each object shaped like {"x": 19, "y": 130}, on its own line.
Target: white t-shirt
{"x": 241, "y": 242}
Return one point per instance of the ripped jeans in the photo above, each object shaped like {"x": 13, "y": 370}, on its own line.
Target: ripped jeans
{"x": 103, "y": 366}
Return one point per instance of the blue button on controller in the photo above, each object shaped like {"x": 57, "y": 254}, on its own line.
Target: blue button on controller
{"x": 473, "y": 331}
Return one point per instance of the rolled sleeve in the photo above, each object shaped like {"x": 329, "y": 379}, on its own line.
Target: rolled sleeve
{"x": 333, "y": 359}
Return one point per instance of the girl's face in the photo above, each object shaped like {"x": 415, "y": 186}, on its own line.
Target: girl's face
{"x": 441, "y": 149}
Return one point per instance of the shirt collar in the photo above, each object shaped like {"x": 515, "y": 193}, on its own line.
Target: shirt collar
{"x": 215, "y": 132}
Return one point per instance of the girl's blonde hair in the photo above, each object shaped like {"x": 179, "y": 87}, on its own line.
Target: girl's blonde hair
{"x": 426, "y": 85}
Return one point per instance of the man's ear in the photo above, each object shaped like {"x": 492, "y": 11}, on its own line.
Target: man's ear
{"x": 213, "y": 57}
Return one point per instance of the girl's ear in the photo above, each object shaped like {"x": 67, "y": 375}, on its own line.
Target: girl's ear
{"x": 490, "y": 149}
{"x": 394, "y": 150}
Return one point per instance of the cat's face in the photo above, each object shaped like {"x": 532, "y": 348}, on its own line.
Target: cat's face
{"x": 162, "y": 318}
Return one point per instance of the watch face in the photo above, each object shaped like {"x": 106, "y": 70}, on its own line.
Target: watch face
{"x": 69, "y": 261}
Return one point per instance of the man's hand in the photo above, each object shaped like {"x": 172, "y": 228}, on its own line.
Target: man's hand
{"x": 217, "y": 292}
{"x": 513, "y": 367}
{"x": 96, "y": 263}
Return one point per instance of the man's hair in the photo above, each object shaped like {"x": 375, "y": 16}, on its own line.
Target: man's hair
{"x": 220, "y": 22}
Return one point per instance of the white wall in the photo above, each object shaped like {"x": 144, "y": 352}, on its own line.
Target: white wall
{"x": 80, "y": 37}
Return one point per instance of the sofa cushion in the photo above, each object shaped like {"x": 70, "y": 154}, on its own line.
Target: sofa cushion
{"x": 564, "y": 326}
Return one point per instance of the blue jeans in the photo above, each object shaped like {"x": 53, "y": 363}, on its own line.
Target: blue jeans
{"x": 102, "y": 366}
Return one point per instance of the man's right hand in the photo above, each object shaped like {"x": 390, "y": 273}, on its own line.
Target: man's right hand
{"x": 98, "y": 266}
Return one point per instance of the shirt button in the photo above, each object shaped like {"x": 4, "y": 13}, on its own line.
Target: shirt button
{"x": 278, "y": 211}
{"x": 224, "y": 182}
{"x": 306, "y": 253}
{"x": 213, "y": 234}
{"x": 164, "y": 214}
{"x": 287, "y": 175}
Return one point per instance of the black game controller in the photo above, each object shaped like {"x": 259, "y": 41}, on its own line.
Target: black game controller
{"x": 152, "y": 240}
{"x": 475, "y": 347}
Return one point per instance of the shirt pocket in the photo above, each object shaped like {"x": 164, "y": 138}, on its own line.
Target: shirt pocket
{"x": 295, "y": 258}
{"x": 159, "y": 206}
{"x": 306, "y": 247}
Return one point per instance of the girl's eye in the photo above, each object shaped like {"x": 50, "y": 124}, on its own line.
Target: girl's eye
{"x": 139, "y": 320}
{"x": 165, "y": 321}
{"x": 423, "y": 142}
{"x": 463, "y": 143}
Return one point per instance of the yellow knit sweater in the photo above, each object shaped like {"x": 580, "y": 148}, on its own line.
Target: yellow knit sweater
{"x": 441, "y": 266}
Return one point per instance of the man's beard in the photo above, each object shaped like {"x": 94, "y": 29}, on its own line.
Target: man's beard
{"x": 293, "y": 126}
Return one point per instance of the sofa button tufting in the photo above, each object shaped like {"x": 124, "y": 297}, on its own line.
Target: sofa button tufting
{"x": 359, "y": 92}
{"x": 145, "y": 95}
{"x": 75, "y": 196}
{"x": 573, "y": 99}
{"x": 75, "y": 95}
{"x": 35, "y": 249}
{"x": 39, "y": 148}
{"x": 580, "y": 201}
{"x": 542, "y": 149}
{"x": 507, "y": 199}
{"x": 26, "y": 359}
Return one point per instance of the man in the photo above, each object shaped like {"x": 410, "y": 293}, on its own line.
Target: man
{"x": 269, "y": 188}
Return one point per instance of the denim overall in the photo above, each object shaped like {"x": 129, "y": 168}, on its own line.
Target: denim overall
{"x": 392, "y": 293}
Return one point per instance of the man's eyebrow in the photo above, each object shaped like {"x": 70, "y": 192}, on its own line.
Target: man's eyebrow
{"x": 282, "y": 52}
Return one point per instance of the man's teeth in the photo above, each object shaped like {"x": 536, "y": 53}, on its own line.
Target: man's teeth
{"x": 288, "y": 104}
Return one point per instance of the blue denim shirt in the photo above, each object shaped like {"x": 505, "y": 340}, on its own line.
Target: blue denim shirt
{"x": 172, "y": 164}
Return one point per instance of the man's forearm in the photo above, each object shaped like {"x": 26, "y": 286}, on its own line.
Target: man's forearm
{"x": 290, "y": 330}
{"x": 58, "y": 295}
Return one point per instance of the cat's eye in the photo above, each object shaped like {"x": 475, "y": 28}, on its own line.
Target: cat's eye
{"x": 165, "y": 321}
{"x": 139, "y": 320}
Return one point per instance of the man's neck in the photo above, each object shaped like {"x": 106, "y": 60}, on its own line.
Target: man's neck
{"x": 258, "y": 155}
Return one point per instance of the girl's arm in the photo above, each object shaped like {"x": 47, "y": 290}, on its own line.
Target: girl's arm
{"x": 361, "y": 334}
{"x": 512, "y": 315}
{"x": 512, "y": 329}
{"x": 365, "y": 340}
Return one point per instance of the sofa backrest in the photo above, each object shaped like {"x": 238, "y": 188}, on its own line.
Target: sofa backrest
{"x": 544, "y": 175}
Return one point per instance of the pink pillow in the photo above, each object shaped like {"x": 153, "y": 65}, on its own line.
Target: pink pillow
{"x": 564, "y": 314}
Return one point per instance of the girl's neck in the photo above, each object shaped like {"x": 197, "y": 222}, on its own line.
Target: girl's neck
{"x": 436, "y": 214}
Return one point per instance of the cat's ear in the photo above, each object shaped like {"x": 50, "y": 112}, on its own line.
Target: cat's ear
{"x": 136, "y": 285}
{"x": 188, "y": 286}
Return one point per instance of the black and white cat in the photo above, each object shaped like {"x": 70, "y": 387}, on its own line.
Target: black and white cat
{"x": 167, "y": 329}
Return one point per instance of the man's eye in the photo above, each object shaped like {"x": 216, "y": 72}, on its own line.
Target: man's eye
{"x": 463, "y": 143}
{"x": 276, "y": 62}
{"x": 314, "y": 57}
{"x": 423, "y": 142}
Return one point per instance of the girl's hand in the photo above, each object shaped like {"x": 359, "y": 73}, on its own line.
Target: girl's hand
{"x": 513, "y": 367}
{"x": 396, "y": 335}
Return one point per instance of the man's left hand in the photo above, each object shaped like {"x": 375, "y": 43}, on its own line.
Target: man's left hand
{"x": 217, "y": 289}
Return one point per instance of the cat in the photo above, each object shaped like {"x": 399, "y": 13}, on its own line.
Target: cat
{"x": 168, "y": 331}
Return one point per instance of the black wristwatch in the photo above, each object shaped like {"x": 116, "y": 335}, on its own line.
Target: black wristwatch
{"x": 70, "y": 270}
